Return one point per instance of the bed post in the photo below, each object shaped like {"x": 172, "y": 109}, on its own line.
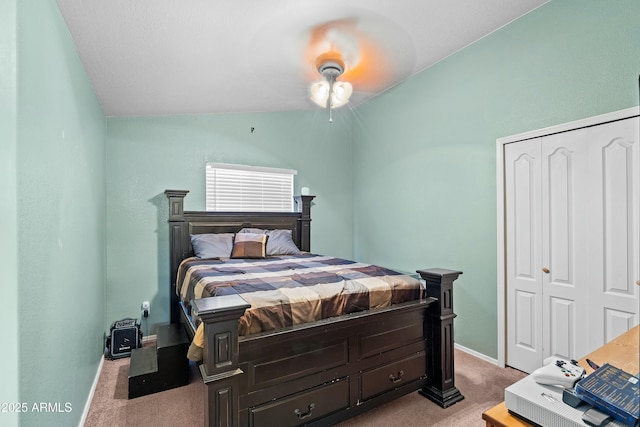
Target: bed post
{"x": 303, "y": 205}
{"x": 440, "y": 386}
{"x": 177, "y": 228}
{"x": 219, "y": 368}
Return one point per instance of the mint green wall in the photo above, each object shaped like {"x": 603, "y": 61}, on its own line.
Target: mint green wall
{"x": 60, "y": 165}
{"x": 9, "y": 356}
{"x": 145, "y": 156}
{"x": 424, "y": 151}
{"x": 424, "y": 169}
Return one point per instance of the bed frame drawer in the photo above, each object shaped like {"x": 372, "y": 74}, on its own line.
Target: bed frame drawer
{"x": 393, "y": 375}
{"x": 303, "y": 407}
{"x": 286, "y": 361}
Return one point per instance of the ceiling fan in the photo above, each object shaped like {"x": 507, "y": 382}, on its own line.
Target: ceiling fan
{"x": 353, "y": 52}
{"x": 340, "y": 53}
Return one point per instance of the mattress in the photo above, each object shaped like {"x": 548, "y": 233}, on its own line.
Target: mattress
{"x": 290, "y": 290}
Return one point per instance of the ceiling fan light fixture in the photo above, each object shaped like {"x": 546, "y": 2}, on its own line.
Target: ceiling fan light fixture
{"x": 341, "y": 93}
{"x": 320, "y": 93}
{"x": 329, "y": 92}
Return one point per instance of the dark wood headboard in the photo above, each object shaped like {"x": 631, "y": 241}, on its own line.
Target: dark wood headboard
{"x": 182, "y": 224}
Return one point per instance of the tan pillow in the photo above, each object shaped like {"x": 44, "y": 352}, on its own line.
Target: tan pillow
{"x": 249, "y": 245}
{"x": 280, "y": 241}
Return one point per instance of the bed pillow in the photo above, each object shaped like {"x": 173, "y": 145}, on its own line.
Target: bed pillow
{"x": 249, "y": 245}
{"x": 253, "y": 230}
{"x": 217, "y": 245}
{"x": 280, "y": 242}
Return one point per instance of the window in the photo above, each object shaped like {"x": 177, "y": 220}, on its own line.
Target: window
{"x": 248, "y": 188}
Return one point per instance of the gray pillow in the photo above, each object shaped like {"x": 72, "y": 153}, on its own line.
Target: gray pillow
{"x": 280, "y": 242}
{"x": 253, "y": 230}
{"x": 217, "y": 245}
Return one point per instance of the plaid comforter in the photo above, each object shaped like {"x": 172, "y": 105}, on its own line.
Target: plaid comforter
{"x": 290, "y": 290}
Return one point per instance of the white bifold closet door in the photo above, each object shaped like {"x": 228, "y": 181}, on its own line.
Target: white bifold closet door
{"x": 572, "y": 241}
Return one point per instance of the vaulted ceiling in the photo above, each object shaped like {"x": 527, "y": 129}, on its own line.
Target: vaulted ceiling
{"x": 167, "y": 57}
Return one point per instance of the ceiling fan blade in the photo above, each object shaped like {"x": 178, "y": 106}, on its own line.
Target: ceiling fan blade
{"x": 375, "y": 51}
{"x": 372, "y": 70}
{"x": 373, "y": 54}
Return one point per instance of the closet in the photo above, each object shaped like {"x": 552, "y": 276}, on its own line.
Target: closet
{"x": 571, "y": 238}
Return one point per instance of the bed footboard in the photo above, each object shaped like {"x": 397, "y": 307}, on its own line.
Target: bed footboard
{"x": 424, "y": 329}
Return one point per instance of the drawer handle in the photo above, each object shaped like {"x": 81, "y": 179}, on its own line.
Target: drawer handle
{"x": 396, "y": 379}
{"x": 307, "y": 414}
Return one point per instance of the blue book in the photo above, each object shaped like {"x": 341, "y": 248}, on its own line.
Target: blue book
{"x": 612, "y": 391}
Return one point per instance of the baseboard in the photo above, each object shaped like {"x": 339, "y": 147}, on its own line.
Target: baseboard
{"x": 87, "y": 405}
{"x": 477, "y": 354}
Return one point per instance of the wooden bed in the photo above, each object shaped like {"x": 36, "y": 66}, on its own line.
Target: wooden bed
{"x": 318, "y": 373}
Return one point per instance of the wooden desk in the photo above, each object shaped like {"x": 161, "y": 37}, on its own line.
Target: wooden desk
{"x": 622, "y": 352}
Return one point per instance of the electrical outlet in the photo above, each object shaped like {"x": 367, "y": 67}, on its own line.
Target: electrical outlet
{"x": 146, "y": 308}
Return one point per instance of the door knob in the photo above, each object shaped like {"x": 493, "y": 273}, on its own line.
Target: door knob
{"x": 638, "y": 282}
{"x": 545, "y": 270}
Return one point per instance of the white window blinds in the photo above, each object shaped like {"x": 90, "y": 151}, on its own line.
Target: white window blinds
{"x": 248, "y": 188}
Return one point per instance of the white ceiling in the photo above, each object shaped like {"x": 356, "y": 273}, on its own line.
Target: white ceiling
{"x": 168, "y": 57}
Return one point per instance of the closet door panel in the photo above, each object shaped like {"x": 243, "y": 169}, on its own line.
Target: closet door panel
{"x": 616, "y": 321}
{"x": 564, "y": 244}
{"x": 525, "y": 328}
{"x": 562, "y": 314}
{"x": 524, "y": 277}
{"x": 614, "y": 162}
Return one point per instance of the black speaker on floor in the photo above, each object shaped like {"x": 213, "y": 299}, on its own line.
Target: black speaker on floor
{"x": 124, "y": 336}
